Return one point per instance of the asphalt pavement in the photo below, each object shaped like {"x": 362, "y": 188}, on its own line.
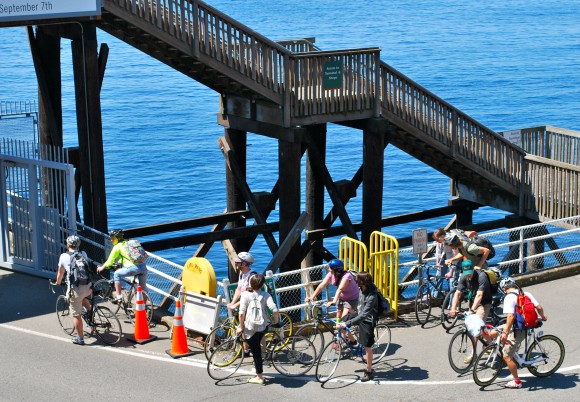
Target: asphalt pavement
{"x": 39, "y": 361}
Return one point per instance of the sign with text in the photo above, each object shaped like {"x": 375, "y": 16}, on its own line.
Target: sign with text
{"x": 514, "y": 136}
{"x": 332, "y": 75}
{"x": 30, "y": 10}
{"x": 419, "y": 241}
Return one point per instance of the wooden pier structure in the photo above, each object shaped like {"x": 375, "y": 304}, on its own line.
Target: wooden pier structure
{"x": 290, "y": 91}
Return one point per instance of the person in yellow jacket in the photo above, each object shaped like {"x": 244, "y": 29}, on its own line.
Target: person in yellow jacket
{"x": 119, "y": 252}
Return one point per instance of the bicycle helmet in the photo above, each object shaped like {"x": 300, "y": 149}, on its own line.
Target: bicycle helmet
{"x": 116, "y": 234}
{"x": 336, "y": 265}
{"x": 73, "y": 241}
{"x": 507, "y": 283}
{"x": 245, "y": 256}
{"x": 452, "y": 240}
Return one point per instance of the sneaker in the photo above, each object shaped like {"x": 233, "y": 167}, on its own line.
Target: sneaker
{"x": 368, "y": 375}
{"x": 468, "y": 359}
{"x": 353, "y": 343}
{"x": 247, "y": 353}
{"x": 256, "y": 380}
{"x": 118, "y": 300}
{"x": 513, "y": 384}
{"x": 78, "y": 341}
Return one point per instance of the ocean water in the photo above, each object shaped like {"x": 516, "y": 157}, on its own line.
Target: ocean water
{"x": 506, "y": 64}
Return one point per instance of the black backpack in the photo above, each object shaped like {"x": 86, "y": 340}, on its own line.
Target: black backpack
{"x": 383, "y": 306}
{"x": 482, "y": 242}
{"x": 78, "y": 273}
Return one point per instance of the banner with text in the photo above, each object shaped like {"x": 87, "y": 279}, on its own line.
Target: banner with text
{"x": 32, "y": 10}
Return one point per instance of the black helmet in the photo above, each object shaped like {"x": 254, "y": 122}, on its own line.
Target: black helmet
{"x": 116, "y": 234}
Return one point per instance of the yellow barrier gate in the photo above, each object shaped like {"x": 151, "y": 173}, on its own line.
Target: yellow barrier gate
{"x": 382, "y": 263}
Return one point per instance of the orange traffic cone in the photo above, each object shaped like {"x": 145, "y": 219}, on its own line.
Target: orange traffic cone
{"x": 141, "y": 334}
{"x": 179, "y": 346}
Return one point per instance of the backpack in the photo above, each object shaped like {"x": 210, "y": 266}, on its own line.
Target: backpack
{"x": 494, "y": 276}
{"x": 136, "y": 252}
{"x": 478, "y": 241}
{"x": 255, "y": 321}
{"x": 526, "y": 315}
{"x": 78, "y": 273}
{"x": 383, "y": 306}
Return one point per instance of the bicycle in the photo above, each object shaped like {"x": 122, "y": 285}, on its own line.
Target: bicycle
{"x": 431, "y": 288}
{"x": 315, "y": 334}
{"x": 462, "y": 348}
{"x": 292, "y": 356}
{"x": 448, "y": 322}
{"x": 543, "y": 355}
{"x": 102, "y": 321}
{"x": 105, "y": 287}
{"x": 227, "y": 331}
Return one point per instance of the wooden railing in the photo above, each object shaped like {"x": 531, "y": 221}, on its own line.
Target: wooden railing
{"x": 309, "y": 96}
{"x": 552, "y": 188}
{"x": 449, "y": 128}
{"x": 552, "y": 143}
{"x": 218, "y": 40}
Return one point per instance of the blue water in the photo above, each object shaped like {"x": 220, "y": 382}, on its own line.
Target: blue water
{"x": 507, "y": 64}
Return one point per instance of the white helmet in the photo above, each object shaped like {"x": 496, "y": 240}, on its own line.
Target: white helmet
{"x": 245, "y": 256}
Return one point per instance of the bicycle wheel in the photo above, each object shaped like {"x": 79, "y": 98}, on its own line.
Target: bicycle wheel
{"x": 461, "y": 351}
{"x": 281, "y": 333}
{"x": 225, "y": 360}
{"x": 216, "y": 337}
{"x": 64, "y": 315}
{"x": 293, "y": 356}
{"x": 132, "y": 305}
{"x": 488, "y": 365}
{"x": 447, "y": 321}
{"x": 103, "y": 293}
{"x": 314, "y": 335}
{"x": 106, "y": 324}
{"x": 423, "y": 301}
{"x": 382, "y": 343}
{"x": 328, "y": 362}
{"x": 550, "y": 349}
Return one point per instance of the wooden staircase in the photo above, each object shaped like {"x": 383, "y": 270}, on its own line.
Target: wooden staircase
{"x": 228, "y": 57}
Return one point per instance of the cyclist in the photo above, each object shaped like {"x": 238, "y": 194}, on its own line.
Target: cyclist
{"x": 255, "y": 293}
{"x": 473, "y": 281}
{"x": 119, "y": 252}
{"x": 444, "y": 252}
{"x": 243, "y": 262}
{"x": 466, "y": 250}
{"x": 347, "y": 292}
{"x": 366, "y": 319}
{"x": 514, "y": 337}
{"x": 77, "y": 295}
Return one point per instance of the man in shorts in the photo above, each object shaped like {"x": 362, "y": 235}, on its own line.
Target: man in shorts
{"x": 514, "y": 337}
{"x": 76, "y": 294}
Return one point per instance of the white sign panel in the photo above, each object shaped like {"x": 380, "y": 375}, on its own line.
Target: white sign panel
{"x": 513, "y": 136}
{"x": 28, "y": 10}
{"x": 419, "y": 241}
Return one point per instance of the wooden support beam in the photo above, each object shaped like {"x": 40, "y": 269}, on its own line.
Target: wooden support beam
{"x": 322, "y": 172}
{"x": 373, "y": 171}
{"x": 288, "y": 243}
{"x": 185, "y": 224}
{"x": 314, "y": 191}
{"x": 245, "y": 189}
{"x": 103, "y": 57}
{"x": 207, "y": 237}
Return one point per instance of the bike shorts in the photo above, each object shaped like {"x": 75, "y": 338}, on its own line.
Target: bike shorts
{"x": 514, "y": 339}
{"x": 76, "y": 297}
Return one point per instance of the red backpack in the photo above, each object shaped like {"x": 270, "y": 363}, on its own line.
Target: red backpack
{"x": 526, "y": 315}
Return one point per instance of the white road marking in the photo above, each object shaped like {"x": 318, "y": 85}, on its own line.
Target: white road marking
{"x": 203, "y": 363}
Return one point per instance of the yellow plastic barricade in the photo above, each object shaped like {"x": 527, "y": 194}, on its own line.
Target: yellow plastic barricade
{"x": 199, "y": 277}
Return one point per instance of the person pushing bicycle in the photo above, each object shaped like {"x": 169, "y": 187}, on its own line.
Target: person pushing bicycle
{"x": 119, "y": 252}
{"x": 509, "y": 333}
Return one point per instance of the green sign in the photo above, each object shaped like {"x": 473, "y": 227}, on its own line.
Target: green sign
{"x": 332, "y": 75}
{"x": 271, "y": 288}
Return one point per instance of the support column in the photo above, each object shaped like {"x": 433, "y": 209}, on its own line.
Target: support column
{"x": 315, "y": 190}
{"x": 90, "y": 131}
{"x": 235, "y": 201}
{"x": 373, "y": 173}
{"x": 289, "y": 155}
